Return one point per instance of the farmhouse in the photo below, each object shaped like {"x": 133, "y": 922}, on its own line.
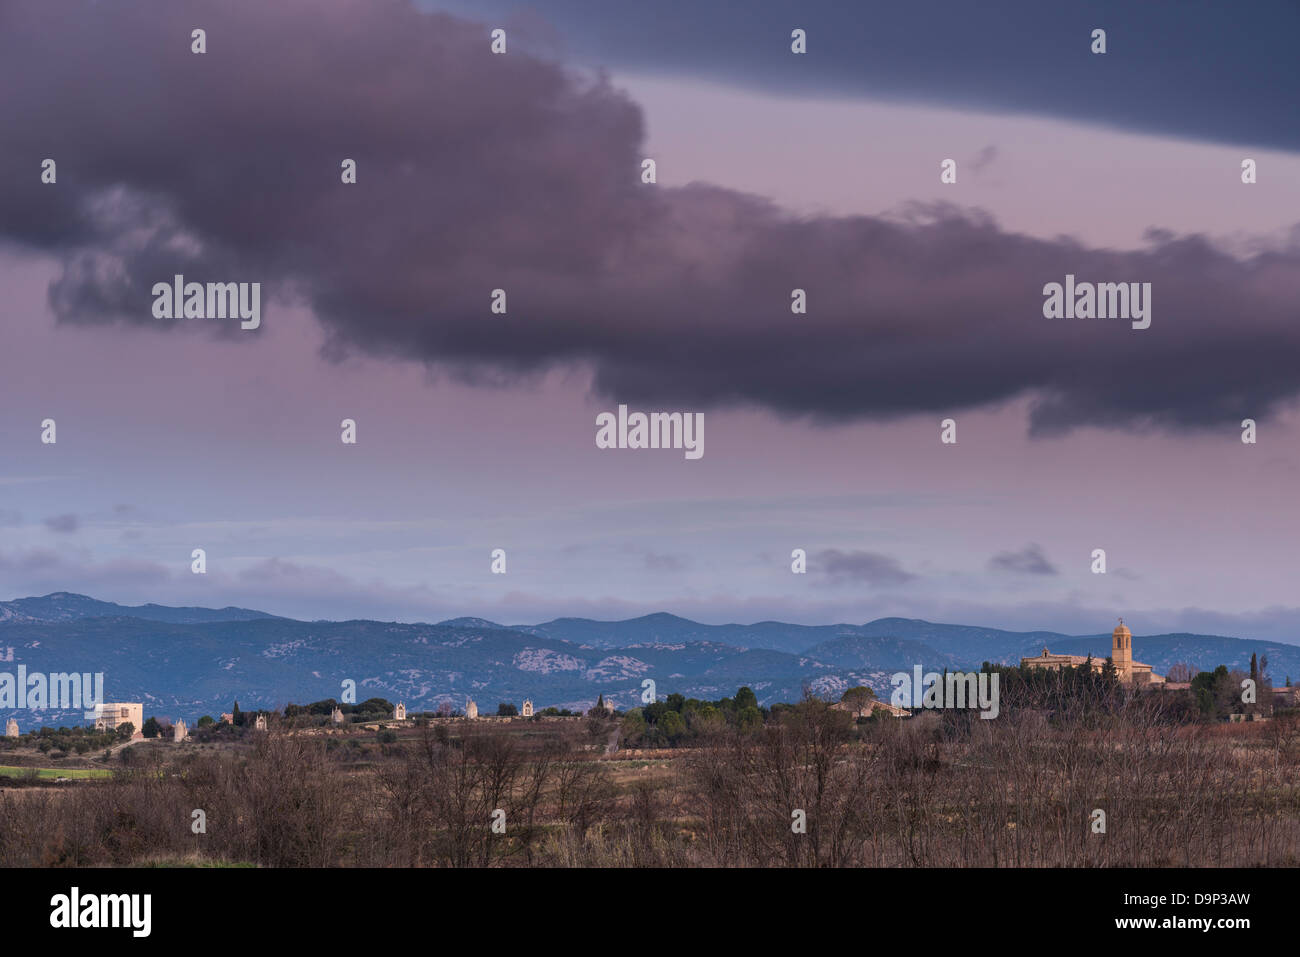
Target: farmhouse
{"x": 110, "y": 716}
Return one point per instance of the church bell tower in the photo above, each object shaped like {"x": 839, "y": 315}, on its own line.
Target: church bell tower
{"x": 1121, "y": 651}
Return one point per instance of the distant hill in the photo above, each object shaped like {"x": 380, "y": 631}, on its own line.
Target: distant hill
{"x": 893, "y": 654}
{"x": 962, "y": 642}
{"x": 672, "y": 630}
{"x": 65, "y": 606}
{"x": 185, "y": 662}
{"x": 186, "y": 670}
{"x": 968, "y": 643}
{"x": 471, "y": 623}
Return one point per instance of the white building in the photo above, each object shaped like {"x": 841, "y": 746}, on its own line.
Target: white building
{"x": 112, "y": 716}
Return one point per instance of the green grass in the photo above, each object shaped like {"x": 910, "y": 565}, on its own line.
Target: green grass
{"x": 50, "y": 774}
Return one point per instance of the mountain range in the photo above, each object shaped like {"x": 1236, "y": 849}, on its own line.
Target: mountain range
{"x": 185, "y": 662}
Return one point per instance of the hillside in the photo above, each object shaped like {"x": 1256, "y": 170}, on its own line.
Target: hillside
{"x": 185, "y": 662}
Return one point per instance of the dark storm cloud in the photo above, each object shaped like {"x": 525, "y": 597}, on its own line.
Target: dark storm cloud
{"x": 1216, "y": 71}
{"x": 656, "y": 562}
{"x": 63, "y": 523}
{"x": 1029, "y": 560}
{"x": 859, "y": 568}
{"x": 39, "y": 571}
{"x": 984, "y": 159}
{"x": 479, "y": 172}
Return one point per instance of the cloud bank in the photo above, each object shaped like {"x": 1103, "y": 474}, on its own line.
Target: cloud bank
{"x": 478, "y": 172}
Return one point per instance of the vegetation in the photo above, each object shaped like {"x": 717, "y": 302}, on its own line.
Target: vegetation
{"x": 65, "y": 740}
{"x": 937, "y": 789}
{"x": 737, "y": 784}
{"x": 372, "y": 709}
{"x": 50, "y": 774}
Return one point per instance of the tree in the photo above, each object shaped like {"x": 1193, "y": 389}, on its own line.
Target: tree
{"x": 236, "y": 718}
{"x": 749, "y": 718}
{"x": 126, "y": 730}
{"x": 506, "y": 710}
{"x": 707, "y": 721}
{"x": 1214, "y": 692}
{"x": 151, "y": 728}
{"x": 1264, "y": 682}
{"x": 1180, "y": 672}
{"x": 672, "y": 726}
{"x": 858, "y": 700}
{"x": 205, "y": 721}
{"x": 634, "y": 727}
{"x": 745, "y": 698}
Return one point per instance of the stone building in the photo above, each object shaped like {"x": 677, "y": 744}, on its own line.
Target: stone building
{"x": 110, "y": 717}
{"x": 259, "y": 723}
{"x": 11, "y": 728}
{"x": 870, "y": 707}
{"x": 399, "y": 713}
{"x": 1053, "y": 662}
{"x": 1121, "y": 656}
{"x": 227, "y": 718}
{"x": 336, "y": 715}
{"x": 179, "y": 731}
{"x": 528, "y": 708}
{"x": 471, "y": 709}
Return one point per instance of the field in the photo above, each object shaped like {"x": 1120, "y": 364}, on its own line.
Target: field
{"x": 813, "y": 788}
{"x": 51, "y": 774}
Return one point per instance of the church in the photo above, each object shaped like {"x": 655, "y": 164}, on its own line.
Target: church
{"x": 1130, "y": 672}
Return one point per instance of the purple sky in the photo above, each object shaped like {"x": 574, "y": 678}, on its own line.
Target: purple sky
{"x": 477, "y": 432}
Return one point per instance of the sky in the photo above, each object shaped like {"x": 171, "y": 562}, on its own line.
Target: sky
{"x": 775, "y": 171}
